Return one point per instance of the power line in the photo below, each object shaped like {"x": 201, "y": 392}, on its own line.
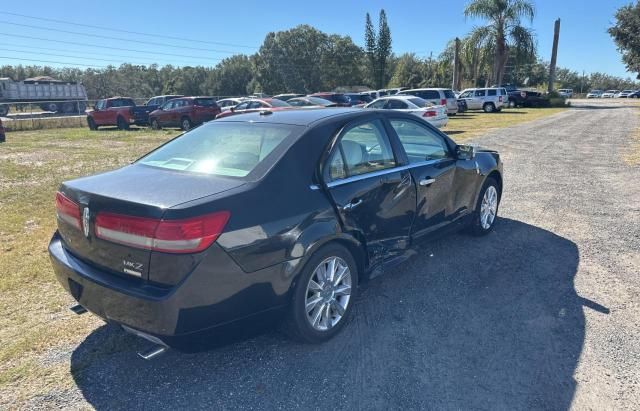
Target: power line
{"x": 126, "y": 31}
{"x": 85, "y": 52}
{"x": 100, "y": 46}
{"x": 52, "y": 62}
{"x": 77, "y": 57}
{"x": 151, "y": 43}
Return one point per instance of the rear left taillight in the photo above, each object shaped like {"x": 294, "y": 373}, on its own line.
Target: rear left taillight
{"x": 190, "y": 235}
{"x": 429, "y": 113}
{"x": 500, "y": 99}
{"x": 68, "y": 210}
{"x": 443, "y": 102}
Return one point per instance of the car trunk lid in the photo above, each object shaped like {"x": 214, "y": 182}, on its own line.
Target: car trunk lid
{"x": 137, "y": 191}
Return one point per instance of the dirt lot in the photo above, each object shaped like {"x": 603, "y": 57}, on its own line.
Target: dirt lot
{"x": 542, "y": 313}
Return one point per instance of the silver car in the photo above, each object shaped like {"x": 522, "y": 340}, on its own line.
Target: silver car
{"x": 487, "y": 99}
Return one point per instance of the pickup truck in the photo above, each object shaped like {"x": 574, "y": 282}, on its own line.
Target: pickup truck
{"x": 525, "y": 98}
{"x": 118, "y": 111}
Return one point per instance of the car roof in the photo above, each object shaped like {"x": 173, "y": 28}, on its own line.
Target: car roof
{"x": 398, "y": 96}
{"x": 426, "y": 88}
{"x": 298, "y": 117}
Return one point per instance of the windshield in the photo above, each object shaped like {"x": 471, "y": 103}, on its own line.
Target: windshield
{"x": 278, "y": 103}
{"x": 466, "y": 94}
{"x": 224, "y": 149}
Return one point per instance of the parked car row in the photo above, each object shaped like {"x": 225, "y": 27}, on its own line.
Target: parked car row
{"x": 186, "y": 112}
{"x": 614, "y": 94}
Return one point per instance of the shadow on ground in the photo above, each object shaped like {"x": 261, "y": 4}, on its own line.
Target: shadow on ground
{"x": 491, "y": 322}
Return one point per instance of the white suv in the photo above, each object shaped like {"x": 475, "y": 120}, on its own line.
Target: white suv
{"x": 487, "y": 99}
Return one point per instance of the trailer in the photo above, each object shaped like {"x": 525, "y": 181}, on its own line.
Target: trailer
{"x": 47, "y": 93}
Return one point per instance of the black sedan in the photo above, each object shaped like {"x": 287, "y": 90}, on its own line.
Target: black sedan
{"x": 270, "y": 215}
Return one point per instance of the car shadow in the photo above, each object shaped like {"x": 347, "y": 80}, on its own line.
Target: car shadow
{"x": 492, "y": 322}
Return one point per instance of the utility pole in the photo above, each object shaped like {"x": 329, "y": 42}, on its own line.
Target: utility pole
{"x": 582, "y": 82}
{"x": 554, "y": 56}
{"x": 456, "y": 66}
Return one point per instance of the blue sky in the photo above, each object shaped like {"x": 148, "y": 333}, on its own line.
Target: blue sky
{"x": 416, "y": 26}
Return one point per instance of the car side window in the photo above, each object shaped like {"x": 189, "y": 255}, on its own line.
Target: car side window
{"x": 420, "y": 142}
{"x": 100, "y": 105}
{"x": 397, "y": 105}
{"x": 378, "y": 104}
{"x": 479, "y": 93}
{"x": 492, "y": 92}
{"x": 241, "y": 106}
{"x": 168, "y": 105}
{"x": 362, "y": 149}
{"x": 254, "y": 104}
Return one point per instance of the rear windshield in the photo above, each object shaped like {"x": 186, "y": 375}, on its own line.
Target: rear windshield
{"x": 205, "y": 102}
{"x": 449, "y": 94}
{"x": 219, "y": 148}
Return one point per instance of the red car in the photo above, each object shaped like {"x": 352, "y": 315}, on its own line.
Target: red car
{"x": 184, "y": 112}
{"x": 2, "y": 137}
{"x": 117, "y": 111}
{"x": 256, "y": 104}
{"x": 340, "y": 99}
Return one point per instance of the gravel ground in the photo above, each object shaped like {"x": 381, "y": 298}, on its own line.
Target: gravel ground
{"x": 542, "y": 313}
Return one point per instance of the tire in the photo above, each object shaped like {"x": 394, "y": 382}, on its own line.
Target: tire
{"x": 155, "y": 125}
{"x": 185, "y": 123}
{"x": 4, "y": 110}
{"x": 512, "y": 104}
{"x": 122, "y": 124}
{"x": 53, "y": 107}
{"x": 489, "y": 107}
{"x": 68, "y": 107}
{"x": 300, "y": 323}
{"x": 634, "y": 96}
{"x": 478, "y": 226}
{"x": 92, "y": 123}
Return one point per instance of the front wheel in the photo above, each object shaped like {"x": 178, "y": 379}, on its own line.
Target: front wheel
{"x": 92, "y": 123}
{"x": 323, "y": 296}
{"x": 486, "y": 212}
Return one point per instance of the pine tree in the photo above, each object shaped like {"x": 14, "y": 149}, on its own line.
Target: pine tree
{"x": 383, "y": 49}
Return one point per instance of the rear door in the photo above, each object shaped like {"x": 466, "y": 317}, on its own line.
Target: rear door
{"x": 375, "y": 198}
{"x": 433, "y": 167}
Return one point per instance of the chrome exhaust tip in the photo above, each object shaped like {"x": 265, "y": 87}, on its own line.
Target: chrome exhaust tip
{"x": 78, "y": 309}
{"x": 159, "y": 347}
{"x": 153, "y": 352}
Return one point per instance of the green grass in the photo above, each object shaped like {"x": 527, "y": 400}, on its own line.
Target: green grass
{"x": 34, "y": 315}
{"x": 474, "y": 123}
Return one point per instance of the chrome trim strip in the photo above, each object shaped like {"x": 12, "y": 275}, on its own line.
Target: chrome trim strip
{"x": 380, "y": 173}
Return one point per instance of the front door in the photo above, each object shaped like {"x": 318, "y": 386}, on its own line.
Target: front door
{"x": 374, "y": 197}
{"x": 433, "y": 167}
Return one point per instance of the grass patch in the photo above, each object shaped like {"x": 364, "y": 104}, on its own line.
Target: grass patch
{"x": 474, "y": 123}
{"x": 632, "y": 151}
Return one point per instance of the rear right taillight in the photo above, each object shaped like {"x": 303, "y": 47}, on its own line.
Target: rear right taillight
{"x": 429, "y": 113}
{"x": 443, "y": 102}
{"x": 67, "y": 210}
{"x": 190, "y": 235}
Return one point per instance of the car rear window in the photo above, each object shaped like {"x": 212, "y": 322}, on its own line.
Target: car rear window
{"x": 278, "y": 103}
{"x": 205, "y": 102}
{"x": 218, "y": 148}
{"x": 425, "y": 94}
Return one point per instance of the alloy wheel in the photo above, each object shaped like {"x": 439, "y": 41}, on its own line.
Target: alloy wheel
{"x": 489, "y": 207}
{"x": 328, "y": 293}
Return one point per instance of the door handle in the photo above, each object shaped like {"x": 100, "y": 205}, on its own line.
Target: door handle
{"x": 352, "y": 205}
{"x": 427, "y": 181}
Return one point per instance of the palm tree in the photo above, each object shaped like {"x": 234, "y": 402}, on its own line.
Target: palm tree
{"x": 504, "y": 29}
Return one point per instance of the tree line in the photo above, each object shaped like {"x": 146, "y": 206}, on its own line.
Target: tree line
{"x": 305, "y": 60}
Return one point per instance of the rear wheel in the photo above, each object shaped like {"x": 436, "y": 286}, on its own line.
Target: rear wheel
{"x": 92, "y": 123}
{"x": 489, "y": 107}
{"x": 486, "y": 212}
{"x": 122, "y": 124}
{"x": 68, "y": 107}
{"x": 154, "y": 124}
{"x": 185, "y": 123}
{"x": 4, "y": 110}
{"x": 512, "y": 104}
{"x": 323, "y": 296}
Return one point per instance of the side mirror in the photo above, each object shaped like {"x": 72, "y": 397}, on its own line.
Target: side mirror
{"x": 465, "y": 152}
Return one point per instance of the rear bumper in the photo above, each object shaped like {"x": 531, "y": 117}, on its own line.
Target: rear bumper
{"x": 203, "y": 301}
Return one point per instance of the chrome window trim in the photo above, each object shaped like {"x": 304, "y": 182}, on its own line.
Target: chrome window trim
{"x": 378, "y": 173}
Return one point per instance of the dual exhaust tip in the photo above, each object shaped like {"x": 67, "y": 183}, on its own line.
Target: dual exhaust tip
{"x": 158, "y": 348}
